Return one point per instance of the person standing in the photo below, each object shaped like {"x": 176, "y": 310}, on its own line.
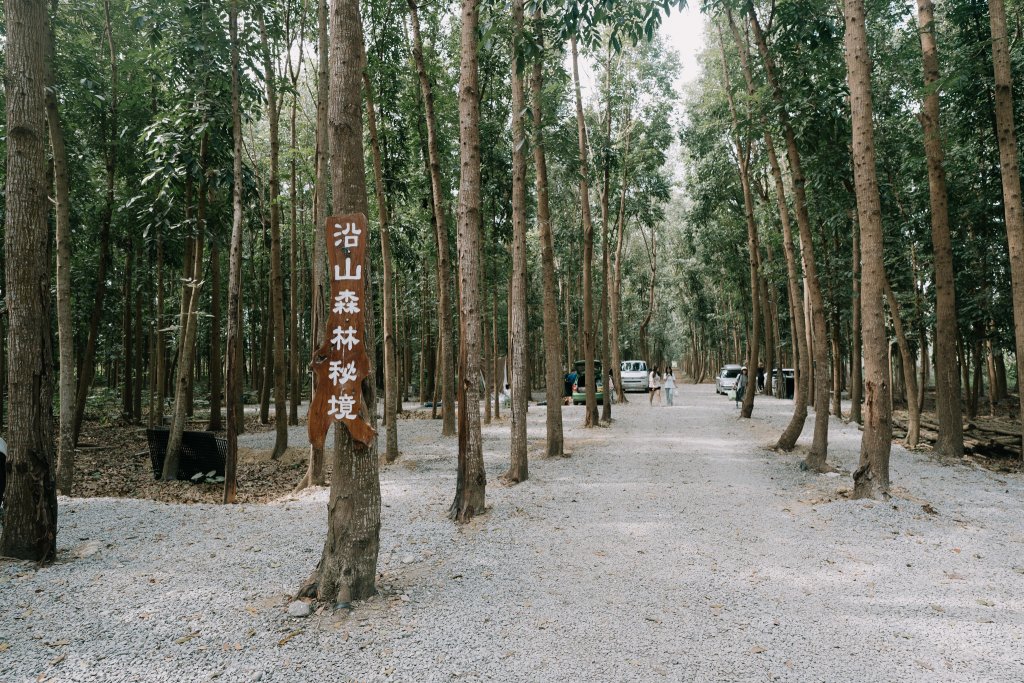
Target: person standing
{"x": 741, "y": 386}
{"x": 670, "y": 385}
{"x": 654, "y": 385}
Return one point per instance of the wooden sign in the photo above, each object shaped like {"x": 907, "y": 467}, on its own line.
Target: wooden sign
{"x": 341, "y": 362}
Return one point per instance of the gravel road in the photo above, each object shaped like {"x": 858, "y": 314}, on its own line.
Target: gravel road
{"x": 671, "y": 546}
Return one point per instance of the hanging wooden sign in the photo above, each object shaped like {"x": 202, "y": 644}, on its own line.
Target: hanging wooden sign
{"x": 341, "y": 362}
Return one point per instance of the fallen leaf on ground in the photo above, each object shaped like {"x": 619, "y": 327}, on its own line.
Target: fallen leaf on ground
{"x": 289, "y": 636}
{"x": 184, "y": 639}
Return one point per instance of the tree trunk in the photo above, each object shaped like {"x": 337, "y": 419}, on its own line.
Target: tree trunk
{"x": 620, "y": 233}
{"x": 819, "y": 364}
{"x": 30, "y": 517}
{"x": 391, "y": 397}
{"x": 139, "y": 340}
{"x": 948, "y": 410}
{"x": 276, "y": 279}
{"x": 471, "y": 479}
{"x": 65, "y": 325}
{"x": 216, "y": 380}
{"x": 441, "y": 234}
{"x": 295, "y": 377}
{"x": 161, "y": 340}
{"x": 86, "y": 376}
{"x": 318, "y": 319}
{"x": 128, "y": 386}
{"x": 233, "y": 394}
{"x": 518, "y": 470}
{"x": 856, "y": 379}
{"x": 907, "y": 366}
{"x": 591, "y": 416}
{"x": 871, "y": 480}
{"x": 1009, "y": 169}
{"x": 186, "y": 358}
{"x": 606, "y": 269}
{"x": 348, "y": 567}
{"x": 753, "y": 247}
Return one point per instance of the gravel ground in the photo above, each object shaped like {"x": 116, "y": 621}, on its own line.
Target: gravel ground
{"x": 671, "y": 546}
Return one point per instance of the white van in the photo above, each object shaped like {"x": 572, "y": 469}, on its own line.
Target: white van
{"x": 633, "y": 375}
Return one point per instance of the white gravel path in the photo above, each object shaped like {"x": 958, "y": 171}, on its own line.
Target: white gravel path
{"x": 671, "y": 546}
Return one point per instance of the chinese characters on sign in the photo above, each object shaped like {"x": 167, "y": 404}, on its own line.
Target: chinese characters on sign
{"x": 341, "y": 363}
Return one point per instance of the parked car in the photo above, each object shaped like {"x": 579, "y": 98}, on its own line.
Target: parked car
{"x": 726, "y": 379}
{"x": 579, "y": 395}
{"x": 789, "y": 374}
{"x": 633, "y": 375}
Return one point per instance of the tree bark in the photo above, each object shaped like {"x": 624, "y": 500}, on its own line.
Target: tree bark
{"x": 30, "y": 517}
{"x": 1009, "y": 170}
{"x": 276, "y": 279}
{"x": 908, "y": 369}
{"x": 65, "y": 326}
{"x": 753, "y": 247}
{"x": 295, "y": 387}
{"x": 871, "y": 480}
{"x": 856, "y": 378}
{"x": 233, "y": 394}
{"x": 391, "y": 397}
{"x": 518, "y": 469}
{"x": 348, "y": 567}
{"x": 606, "y": 270}
{"x": 591, "y": 416}
{"x": 186, "y": 358}
{"x": 819, "y": 363}
{"x": 128, "y": 386}
{"x": 948, "y": 409}
{"x": 441, "y": 234}
{"x": 86, "y": 376}
{"x": 216, "y": 379}
{"x": 471, "y": 479}
{"x": 318, "y": 319}
{"x": 615, "y": 303}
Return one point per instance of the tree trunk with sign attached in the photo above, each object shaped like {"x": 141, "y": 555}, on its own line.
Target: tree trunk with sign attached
{"x": 348, "y": 567}
{"x": 471, "y": 480}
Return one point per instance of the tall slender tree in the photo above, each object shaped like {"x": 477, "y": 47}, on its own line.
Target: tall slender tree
{"x": 471, "y": 479}
{"x": 444, "y": 313}
{"x": 1009, "y": 169}
{"x": 589, "y": 347}
{"x": 552, "y": 330}
{"x": 519, "y": 337}
{"x": 871, "y": 480}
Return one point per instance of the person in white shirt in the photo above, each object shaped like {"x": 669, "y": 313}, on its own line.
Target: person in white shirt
{"x": 670, "y": 385}
{"x": 654, "y": 385}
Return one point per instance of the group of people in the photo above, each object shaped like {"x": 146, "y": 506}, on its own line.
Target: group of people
{"x": 656, "y": 382}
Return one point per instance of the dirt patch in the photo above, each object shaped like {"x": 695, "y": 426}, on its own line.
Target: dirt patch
{"x": 113, "y": 462}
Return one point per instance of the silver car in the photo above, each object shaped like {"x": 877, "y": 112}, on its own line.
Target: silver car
{"x": 633, "y": 375}
{"x": 726, "y": 379}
